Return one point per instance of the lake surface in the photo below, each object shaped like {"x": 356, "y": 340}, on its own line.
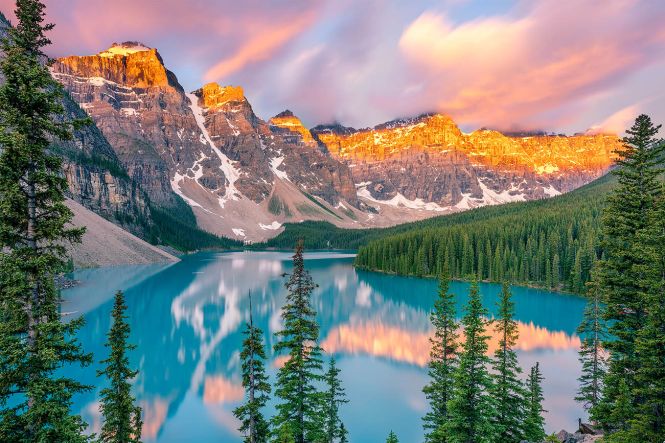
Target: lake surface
{"x": 187, "y": 320}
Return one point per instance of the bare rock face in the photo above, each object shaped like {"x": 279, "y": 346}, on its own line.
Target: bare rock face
{"x": 95, "y": 176}
{"x": 143, "y": 112}
{"x": 429, "y": 160}
{"x": 244, "y": 177}
{"x": 282, "y": 148}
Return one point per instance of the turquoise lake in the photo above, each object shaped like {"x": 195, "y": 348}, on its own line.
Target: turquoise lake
{"x": 187, "y": 320}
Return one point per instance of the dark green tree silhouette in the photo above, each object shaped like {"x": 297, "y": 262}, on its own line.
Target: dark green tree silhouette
{"x": 534, "y": 423}
{"x": 648, "y": 423}
{"x": 592, "y": 330}
{"x": 298, "y": 413}
{"x": 471, "y": 406}
{"x": 120, "y": 415}
{"x": 508, "y": 392}
{"x": 392, "y": 438}
{"x": 333, "y": 398}
{"x": 255, "y": 381}
{"x": 443, "y": 361}
{"x": 35, "y": 398}
{"x": 621, "y": 272}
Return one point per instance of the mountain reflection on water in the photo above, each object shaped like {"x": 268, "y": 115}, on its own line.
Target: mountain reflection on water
{"x": 187, "y": 320}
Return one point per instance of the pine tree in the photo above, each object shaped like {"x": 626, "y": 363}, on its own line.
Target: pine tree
{"x": 592, "y": 330}
{"x": 343, "y": 434}
{"x": 649, "y": 421}
{"x": 35, "y": 398}
{"x": 255, "y": 381}
{"x": 507, "y": 391}
{"x": 471, "y": 406}
{"x": 534, "y": 424}
{"x": 620, "y": 274}
{"x": 392, "y": 438}
{"x": 296, "y": 380}
{"x": 443, "y": 360}
{"x": 333, "y": 398}
{"x": 120, "y": 415}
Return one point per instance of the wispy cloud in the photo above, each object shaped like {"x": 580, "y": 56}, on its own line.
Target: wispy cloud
{"x": 261, "y": 45}
{"x": 505, "y": 71}
{"x": 539, "y": 63}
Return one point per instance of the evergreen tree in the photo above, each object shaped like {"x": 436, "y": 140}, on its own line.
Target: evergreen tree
{"x": 534, "y": 424}
{"x": 592, "y": 330}
{"x": 343, "y": 434}
{"x": 35, "y": 398}
{"x": 621, "y": 273}
{"x": 471, "y": 407}
{"x": 333, "y": 398}
{"x": 649, "y": 421}
{"x": 443, "y": 360}
{"x": 507, "y": 391}
{"x": 392, "y": 438}
{"x": 117, "y": 403}
{"x": 255, "y": 381}
{"x": 298, "y": 409}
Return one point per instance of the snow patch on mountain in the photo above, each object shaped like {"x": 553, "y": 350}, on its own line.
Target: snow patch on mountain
{"x": 228, "y": 168}
{"x": 491, "y": 197}
{"x": 275, "y": 162}
{"x": 399, "y": 200}
{"x": 271, "y": 227}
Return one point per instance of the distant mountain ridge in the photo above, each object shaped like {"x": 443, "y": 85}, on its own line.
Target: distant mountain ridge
{"x": 244, "y": 177}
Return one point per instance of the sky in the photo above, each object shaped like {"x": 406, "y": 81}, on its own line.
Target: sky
{"x": 555, "y": 65}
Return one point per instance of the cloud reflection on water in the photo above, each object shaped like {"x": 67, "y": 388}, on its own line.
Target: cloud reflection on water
{"x": 187, "y": 322}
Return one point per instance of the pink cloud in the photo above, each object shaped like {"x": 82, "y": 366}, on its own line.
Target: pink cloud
{"x": 260, "y": 46}
{"x": 617, "y": 122}
{"x": 550, "y": 64}
{"x": 500, "y": 71}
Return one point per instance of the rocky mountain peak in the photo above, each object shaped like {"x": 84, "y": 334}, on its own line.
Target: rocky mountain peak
{"x": 129, "y": 64}
{"x": 287, "y": 120}
{"x": 213, "y": 95}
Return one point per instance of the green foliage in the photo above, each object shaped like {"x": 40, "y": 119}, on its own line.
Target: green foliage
{"x": 333, "y": 398}
{"x": 592, "y": 330}
{"x": 545, "y": 243}
{"x": 298, "y": 411}
{"x": 176, "y": 227}
{"x": 555, "y": 240}
{"x": 508, "y": 392}
{"x": 314, "y": 200}
{"x": 34, "y": 343}
{"x": 92, "y": 160}
{"x": 275, "y": 205}
{"x": 257, "y": 387}
{"x": 392, "y": 438}
{"x": 120, "y": 414}
{"x": 443, "y": 361}
{"x": 534, "y": 424}
{"x": 471, "y": 406}
{"x": 649, "y": 418}
{"x": 623, "y": 277}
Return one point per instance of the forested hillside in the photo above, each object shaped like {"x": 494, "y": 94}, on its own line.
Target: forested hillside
{"x": 551, "y": 243}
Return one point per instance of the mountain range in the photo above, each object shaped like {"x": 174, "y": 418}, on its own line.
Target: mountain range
{"x": 207, "y": 161}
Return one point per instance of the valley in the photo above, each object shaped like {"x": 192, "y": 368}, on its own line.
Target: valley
{"x": 243, "y": 177}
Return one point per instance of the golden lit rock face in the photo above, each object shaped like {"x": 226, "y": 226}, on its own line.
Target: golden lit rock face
{"x": 214, "y": 96}
{"x": 129, "y": 64}
{"x": 438, "y": 134}
{"x": 289, "y": 121}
